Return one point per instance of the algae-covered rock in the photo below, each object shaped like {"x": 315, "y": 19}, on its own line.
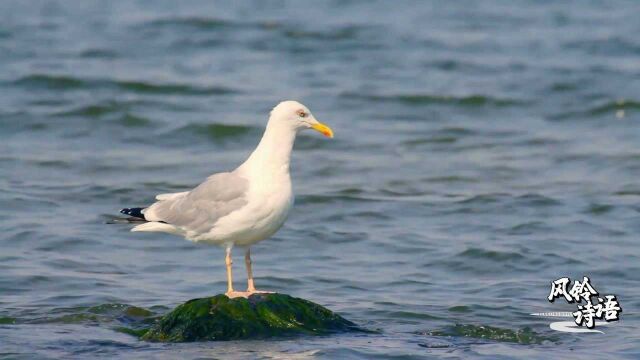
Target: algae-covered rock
{"x": 259, "y": 316}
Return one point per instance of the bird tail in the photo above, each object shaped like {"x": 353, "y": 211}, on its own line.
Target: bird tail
{"x": 134, "y": 212}
{"x": 135, "y": 216}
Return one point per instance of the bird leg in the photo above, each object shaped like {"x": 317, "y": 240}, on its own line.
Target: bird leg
{"x": 251, "y": 289}
{"x": 228, "y": 261}
{"x": 230, "y": 293}
{"x": 247, "y": 261}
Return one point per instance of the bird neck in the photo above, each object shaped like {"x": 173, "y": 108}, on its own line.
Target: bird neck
{"x": 273, "y": 153}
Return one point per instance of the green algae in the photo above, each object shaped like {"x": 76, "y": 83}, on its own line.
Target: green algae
{"x": 130, "y": 331}
{"x": 7, "y": 320}
{"x": 520, "y": 336}
{"x": 102, "y": 315}
{"x": 259, "y": 316}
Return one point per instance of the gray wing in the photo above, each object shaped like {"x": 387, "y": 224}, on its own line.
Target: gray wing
{"x": 199, "y": 209}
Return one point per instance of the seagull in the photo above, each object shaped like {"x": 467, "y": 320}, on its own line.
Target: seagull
{"x": 240, "y": 207}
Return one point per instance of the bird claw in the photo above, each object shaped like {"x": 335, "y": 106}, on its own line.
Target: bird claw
{"x": 236, "y": 294}
{"x": 254, "y": 291}
{"x": 246, "y": 294}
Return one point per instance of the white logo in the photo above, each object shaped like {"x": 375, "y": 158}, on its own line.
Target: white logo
{"x": 605, "y": 308}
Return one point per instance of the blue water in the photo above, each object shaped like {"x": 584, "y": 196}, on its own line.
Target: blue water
{"x": 482, "y": 150}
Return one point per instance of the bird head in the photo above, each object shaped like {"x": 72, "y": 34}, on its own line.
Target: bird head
{"x": 296, "y": 116}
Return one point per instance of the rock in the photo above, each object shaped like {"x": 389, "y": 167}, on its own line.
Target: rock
{"x": 259, "y": 316}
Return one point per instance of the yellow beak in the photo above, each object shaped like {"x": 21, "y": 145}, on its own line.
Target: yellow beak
{"x": 323, "y": 129}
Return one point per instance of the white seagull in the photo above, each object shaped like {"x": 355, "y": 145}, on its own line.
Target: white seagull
{"x": 241, "y": 207}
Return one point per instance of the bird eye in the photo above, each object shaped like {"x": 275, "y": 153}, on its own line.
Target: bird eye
{"x": 302, "y": 114}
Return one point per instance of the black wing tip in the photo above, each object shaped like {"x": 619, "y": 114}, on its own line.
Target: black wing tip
{"x": 135, "y": 212}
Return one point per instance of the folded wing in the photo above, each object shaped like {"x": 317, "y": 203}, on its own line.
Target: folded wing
{"x": 199, "y": 209}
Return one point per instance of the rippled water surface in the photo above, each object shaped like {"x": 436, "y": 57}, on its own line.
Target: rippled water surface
{"x": 482, "y": 150}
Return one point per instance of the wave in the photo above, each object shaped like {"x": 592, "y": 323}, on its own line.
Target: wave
{"x": 66, "y": 82}
{"x": 609, "y": 46}
{"x": 130, "y": 120}
{"x": 427, "y": 99}
{"x": 216, "y": 131}
{"x": 104, "y": 314}
{"x": 344, "y": 33}
{"x": 93, "y": 110}
{"x": 477, "y": 253}
{"x": 610, "y": 108}
{"x": 98, "y": 54}
{"x": 447, "y": 135}
{"x": 520, "y": 336}
{"x": 196, "y": 22}
{"x": 290, "y": 32}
